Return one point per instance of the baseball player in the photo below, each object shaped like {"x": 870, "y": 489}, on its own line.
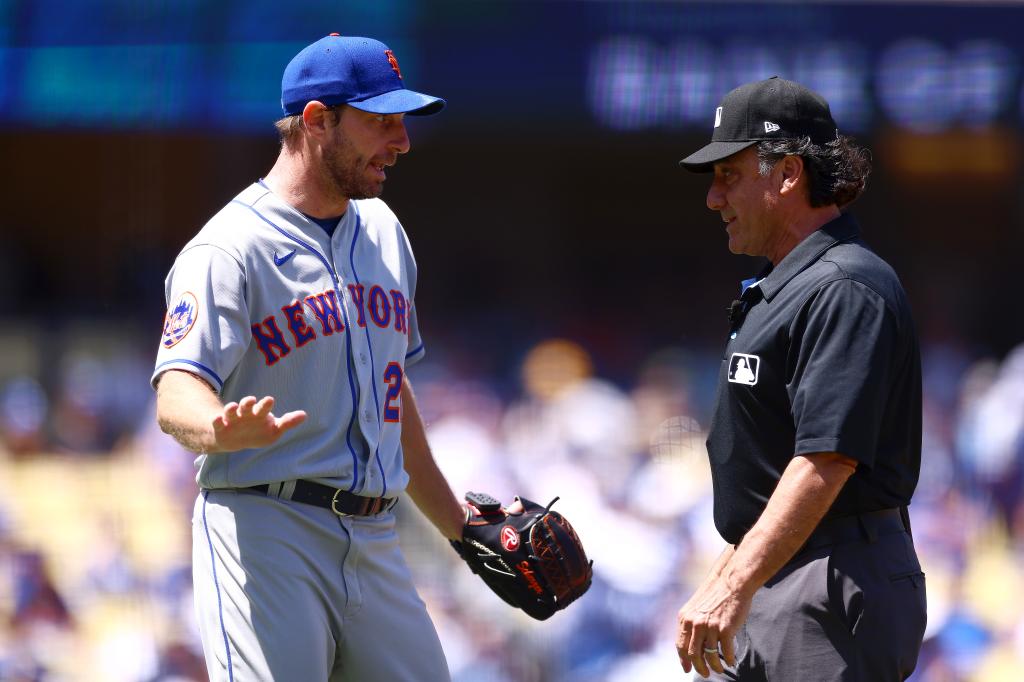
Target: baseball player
{"x": 815, "y": 441}
{"x": 291, "y": 322}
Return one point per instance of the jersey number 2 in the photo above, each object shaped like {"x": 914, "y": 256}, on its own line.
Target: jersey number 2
{"x": 393, "y": 377}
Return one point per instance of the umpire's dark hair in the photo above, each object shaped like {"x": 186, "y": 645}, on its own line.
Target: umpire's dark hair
{"x": 837, "y": 171}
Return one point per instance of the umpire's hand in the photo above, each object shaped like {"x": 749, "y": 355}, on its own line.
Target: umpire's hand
{"x": 708, "y": 623}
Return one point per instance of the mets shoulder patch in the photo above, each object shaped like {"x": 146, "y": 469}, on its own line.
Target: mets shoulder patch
{"x": 180, "y": 318}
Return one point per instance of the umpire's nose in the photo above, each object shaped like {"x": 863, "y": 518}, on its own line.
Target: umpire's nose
{"x": 716, "y": 194}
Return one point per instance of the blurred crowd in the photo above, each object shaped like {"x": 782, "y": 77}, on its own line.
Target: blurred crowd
{"x": 95, "y": 523}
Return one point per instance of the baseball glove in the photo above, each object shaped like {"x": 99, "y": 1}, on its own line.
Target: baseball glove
{"x": 532, "y": 558}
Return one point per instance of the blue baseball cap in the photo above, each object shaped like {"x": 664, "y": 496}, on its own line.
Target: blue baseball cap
{"x": 360, "y": 72}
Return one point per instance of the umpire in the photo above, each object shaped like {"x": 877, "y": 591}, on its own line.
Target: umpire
{"x": 815, "y": 443}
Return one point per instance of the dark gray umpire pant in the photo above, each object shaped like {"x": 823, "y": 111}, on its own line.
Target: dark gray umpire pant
{"x": 849, "y": 607}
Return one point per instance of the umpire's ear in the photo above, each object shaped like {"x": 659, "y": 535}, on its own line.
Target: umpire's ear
{"x": 790, "y": 172}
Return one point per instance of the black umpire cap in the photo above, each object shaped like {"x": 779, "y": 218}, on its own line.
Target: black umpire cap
{"x": 771, "y": 109}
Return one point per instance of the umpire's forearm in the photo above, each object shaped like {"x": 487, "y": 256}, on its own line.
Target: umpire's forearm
{"x": 720, "y": 563}
{"x": 716, "y": 571}
{"x": 427, "y": 487}
{"x": 806, "y": 491}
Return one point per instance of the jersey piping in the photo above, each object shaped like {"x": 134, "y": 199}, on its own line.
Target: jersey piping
{"x": 369, "y": 345}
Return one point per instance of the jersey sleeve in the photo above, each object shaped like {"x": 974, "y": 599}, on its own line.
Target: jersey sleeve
{"x": 844, "y": 347}
{"x": 416, "y": 348}
{"x": 206, "y": 330}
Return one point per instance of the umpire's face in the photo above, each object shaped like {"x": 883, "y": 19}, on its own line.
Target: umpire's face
{"x": 747, "y": 201}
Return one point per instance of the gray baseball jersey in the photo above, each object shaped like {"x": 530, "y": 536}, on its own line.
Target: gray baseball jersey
{"x": 263, "y": 302}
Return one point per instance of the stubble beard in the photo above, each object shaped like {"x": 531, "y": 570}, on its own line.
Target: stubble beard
{"x": 344, "y": 168}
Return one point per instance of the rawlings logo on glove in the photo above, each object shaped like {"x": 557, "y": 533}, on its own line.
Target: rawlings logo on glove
{"x": 551, "y": 569}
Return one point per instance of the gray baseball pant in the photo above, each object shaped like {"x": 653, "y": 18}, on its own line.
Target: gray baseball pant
{"x": 288, "y": 591}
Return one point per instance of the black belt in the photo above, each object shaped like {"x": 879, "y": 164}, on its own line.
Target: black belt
{"x": 341, "y": 502}
{"x": 867, "y": 526}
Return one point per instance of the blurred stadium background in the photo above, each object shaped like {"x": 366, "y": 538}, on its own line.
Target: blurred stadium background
{"x": 572, "y": 295}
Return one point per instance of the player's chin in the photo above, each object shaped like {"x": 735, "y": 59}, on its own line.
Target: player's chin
{"x": 368, "y": 190}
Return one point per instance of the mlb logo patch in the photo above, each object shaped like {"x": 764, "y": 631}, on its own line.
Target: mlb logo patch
{"x": 743, "y": 368}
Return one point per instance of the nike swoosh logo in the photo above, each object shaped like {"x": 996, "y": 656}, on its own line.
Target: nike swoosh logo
{"x": 283, "y": 259}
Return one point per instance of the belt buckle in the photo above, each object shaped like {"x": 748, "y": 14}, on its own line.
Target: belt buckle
{"x": 334, "y": 504}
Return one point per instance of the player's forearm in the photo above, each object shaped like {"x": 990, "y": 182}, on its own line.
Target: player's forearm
{"x": 186, "y": 406}
{"x": 804, "y": 494}
{"x": 432, "y": 494}
{"x": 427, "y": 487}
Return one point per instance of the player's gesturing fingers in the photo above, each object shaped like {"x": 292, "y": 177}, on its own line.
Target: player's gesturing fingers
{"x": 263, "y": 407}
{"x": 250, "y": 423}
{"x": 227, "y": 416}
{"x": 290, "y": 420}
{"x": 245, "y": 406}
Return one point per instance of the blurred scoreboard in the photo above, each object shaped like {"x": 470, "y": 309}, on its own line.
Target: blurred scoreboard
{"x": 603, "y": 65}
{"x": 915, "y": 82}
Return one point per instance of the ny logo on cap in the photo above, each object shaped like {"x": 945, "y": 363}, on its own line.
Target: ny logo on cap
{"x": 718, "y": 117}
{"x": 393, "y": 62}
{"x": 743, "y": 368}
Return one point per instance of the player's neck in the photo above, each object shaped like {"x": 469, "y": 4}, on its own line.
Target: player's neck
{"x": 296, "y": 183}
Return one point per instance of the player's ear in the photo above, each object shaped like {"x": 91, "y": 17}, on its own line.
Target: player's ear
{"x": 316, "y": 118}
{"x": 791, "y": 170}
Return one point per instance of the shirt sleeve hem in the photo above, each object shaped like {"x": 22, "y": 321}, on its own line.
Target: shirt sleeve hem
{"x": 204, "y": 372}
{"x": 812, "y": 445}
{"x": 415, "y": 355}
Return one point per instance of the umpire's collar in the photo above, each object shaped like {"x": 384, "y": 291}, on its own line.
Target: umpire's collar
{"x": 806, "y": 253}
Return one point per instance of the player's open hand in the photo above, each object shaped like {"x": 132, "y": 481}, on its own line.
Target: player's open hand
{"x": 707, "y": 628}
{"x": 250, "y": 424}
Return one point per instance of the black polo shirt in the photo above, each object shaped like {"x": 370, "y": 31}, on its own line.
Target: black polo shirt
{"x": 822, "y": 357}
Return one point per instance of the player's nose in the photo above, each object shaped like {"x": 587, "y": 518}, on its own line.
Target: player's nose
{"x": 400, "y": 138}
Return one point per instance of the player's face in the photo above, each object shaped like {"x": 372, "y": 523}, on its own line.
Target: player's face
{"x": 360, "y": 147}
{"x": 745, "y": 199}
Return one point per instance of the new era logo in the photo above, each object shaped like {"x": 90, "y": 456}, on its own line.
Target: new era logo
{"x": 770, "y": 127}
{"x": 718, "y": 117}
{"x": 743, "y": 368}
